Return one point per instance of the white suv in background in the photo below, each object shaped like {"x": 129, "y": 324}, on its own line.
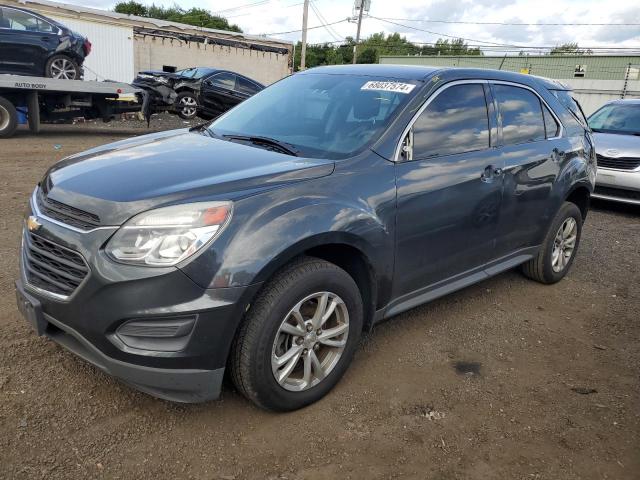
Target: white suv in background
{"x": 616, "y": 128}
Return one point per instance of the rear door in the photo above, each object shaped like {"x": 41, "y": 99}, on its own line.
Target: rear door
{"x": 246, "y": 88}
{"x": 448, "y": 191}
{"x": 218, "y": 93}
{"x": 530, "y": 144}
{"x": 25, "y": 42}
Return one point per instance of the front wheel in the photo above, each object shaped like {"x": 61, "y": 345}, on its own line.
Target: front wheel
{"x": 559, "y": 248}
{"x": 8, "y": 118}
{"x": 299, "y": 336}
{"x": 186, "y": 105}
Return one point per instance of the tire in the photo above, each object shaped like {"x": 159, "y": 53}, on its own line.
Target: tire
{"x": 62, "y": 67}
{"x": 33, "y": 109}
{"x": 544, "y": 268}
{"x": 260, "y": 340}
{"x": 186, "y": 105}
{"x": 8, "y": 118}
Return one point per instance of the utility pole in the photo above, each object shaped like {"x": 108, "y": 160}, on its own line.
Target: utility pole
{"x": 303, "y": 52}
{"x": 358, "y": 31}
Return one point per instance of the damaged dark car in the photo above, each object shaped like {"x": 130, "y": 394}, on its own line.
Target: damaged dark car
{"x": 197, "y": 91}
{"x": 32, "y": 44}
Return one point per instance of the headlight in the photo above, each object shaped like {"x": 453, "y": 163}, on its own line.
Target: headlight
{"x": 168, "y": 235}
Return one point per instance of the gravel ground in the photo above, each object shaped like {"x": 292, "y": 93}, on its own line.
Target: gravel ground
{"x": 508, "y": 379}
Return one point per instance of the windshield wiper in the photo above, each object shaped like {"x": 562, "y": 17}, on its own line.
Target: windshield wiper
{"x": 282, "y": 146}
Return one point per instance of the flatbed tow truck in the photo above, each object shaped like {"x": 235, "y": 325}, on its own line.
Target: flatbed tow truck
{"x": 49, "y": 100}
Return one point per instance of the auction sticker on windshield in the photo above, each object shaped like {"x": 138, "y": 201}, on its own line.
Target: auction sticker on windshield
{"x": 388, "y": 87}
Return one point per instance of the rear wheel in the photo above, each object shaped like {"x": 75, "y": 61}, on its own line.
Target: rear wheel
{"x": 186, "y": 105}
{"x": 299, "y": 336}
{"x": 8, "y": 118}
{"x": 559, "y": 248}
{"x": 62, "y": 67}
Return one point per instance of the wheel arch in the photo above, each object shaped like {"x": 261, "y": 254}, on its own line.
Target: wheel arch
{"x": 580, "y": 195}
{"x": 343, "y": 249}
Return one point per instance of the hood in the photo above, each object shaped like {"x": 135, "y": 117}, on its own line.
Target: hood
{"x": 118, "y": 180}
{"x": 614, "y": 145}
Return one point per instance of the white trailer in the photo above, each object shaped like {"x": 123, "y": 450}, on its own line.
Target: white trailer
{"x": 52, "y": 100}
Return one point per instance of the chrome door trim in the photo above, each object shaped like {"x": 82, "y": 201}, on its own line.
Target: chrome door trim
{"x": 398, "y": 150}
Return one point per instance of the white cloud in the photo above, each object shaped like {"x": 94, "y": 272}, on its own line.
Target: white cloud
{"x": 284, "y": 15}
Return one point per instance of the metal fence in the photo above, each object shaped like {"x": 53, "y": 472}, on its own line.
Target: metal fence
{"x": 595, "y": 79}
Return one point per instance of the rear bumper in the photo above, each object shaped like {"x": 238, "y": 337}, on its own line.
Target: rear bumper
{"x": 618, "y": 185}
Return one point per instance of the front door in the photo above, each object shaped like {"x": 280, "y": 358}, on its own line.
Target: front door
{"x": 449, "y": 190}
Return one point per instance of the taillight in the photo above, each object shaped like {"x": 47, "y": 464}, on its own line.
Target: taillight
{"x": 87, "y": 47}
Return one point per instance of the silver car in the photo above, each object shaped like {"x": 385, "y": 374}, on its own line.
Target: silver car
{"x": 616, "y": 128}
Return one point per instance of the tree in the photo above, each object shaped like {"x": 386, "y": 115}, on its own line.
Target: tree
{"x": 198, "y": 17}
{"x": 132, "y": 8}
{"x": 370, "y": 49}
{"x": 570, "y": 48}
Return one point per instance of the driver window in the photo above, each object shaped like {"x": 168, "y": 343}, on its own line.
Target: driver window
{"x": 17, "y": 20}
{"x": 456, "y": 121}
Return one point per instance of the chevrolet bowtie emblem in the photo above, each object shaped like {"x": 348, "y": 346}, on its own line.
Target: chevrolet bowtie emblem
{"x": 33, "y": 224}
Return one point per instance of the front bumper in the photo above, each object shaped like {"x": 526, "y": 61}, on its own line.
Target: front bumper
{"x": 187, "y": 385}
{"x": 618, "y": 185}
{"x": 90, "y": 321}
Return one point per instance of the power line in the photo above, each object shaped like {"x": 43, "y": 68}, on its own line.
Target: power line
{"x": 438, "y": 33}
{"x": 491, "y": 48}
{"x": 240, "y": 7}
{"x": 323, "y": 21}
{"x": 485, "y": 44}
{"x": 460, "y": 22}
{"x": 309, "y": 28}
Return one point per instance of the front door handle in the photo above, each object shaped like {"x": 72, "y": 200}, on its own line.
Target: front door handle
{"x": 490, "y": 172}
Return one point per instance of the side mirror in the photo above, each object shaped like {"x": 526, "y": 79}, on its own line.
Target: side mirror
{"x": 407, "y": 146}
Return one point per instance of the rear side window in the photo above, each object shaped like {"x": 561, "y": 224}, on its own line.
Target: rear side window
{"x": 224, "y": 80}
{"x": 456, "y": 121}
{"x": 550, "y": 123}
{"x": 521, "y": 115}
{"x": 245, "y": 86}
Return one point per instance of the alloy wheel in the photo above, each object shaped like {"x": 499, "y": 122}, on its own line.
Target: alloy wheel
{"x": 63, "y": 69}
{"x": 188, "y": 106}
{"x": 310, "y": 341}
{"x": 564, "y": 244}
{"x": 5, "y": 118}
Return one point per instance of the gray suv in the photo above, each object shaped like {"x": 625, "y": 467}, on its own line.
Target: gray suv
{"x": 264, "y": 244}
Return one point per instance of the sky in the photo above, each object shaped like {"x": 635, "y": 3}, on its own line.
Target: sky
{"x": 272, "y": 17}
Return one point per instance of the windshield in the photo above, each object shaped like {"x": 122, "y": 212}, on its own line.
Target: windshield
{"x": 320, "y": 115}
{"x": 194, "y": 72}
{"x": 623, "y": 119}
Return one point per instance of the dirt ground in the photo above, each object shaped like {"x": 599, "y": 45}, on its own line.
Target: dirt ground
{"x": 551, "y": 389}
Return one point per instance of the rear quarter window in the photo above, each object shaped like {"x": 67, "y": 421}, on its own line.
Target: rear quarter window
{"x": 571, "y": 104}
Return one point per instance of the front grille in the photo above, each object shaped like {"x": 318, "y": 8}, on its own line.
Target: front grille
{"x": 66, "y": 214}
{"x": 52, "y": 267}
{"x": 617, "y": 192}
{"x": 622, "y": 163}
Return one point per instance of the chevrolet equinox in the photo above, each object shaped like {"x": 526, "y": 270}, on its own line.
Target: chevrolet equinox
{"x": 264, "y": 243}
